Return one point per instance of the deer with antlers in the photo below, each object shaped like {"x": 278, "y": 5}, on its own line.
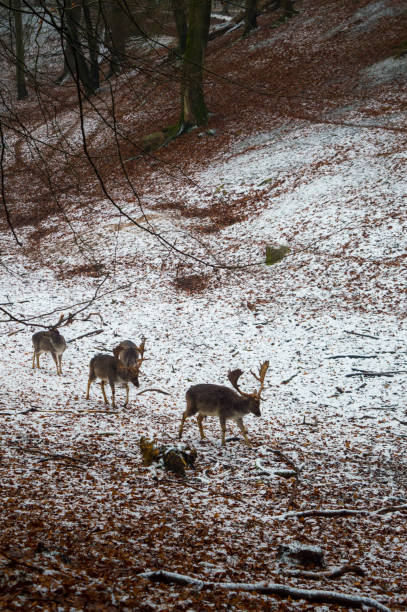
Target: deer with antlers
{"x": 112, "y": 370}
{"x": 127, "y": 352}
{"x": 217, "y": 400}
{"x": 49, "y": 341}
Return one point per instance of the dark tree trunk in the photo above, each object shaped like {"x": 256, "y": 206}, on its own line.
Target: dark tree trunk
{"x": 74, "y": 55}
{"x": 193, "y": 107}
{"x": 288, "y": 6}
{"x": 20, "y": 61}
{"x": 93, "y": 44}
{"x": 250, "y": 16}
{"x": 180, "y": 18}
{"x": 117, "y": 32}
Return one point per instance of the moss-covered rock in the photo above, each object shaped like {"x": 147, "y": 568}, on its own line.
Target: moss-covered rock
{"x": 152, "y": 142}
{"x": 275, "y": 254}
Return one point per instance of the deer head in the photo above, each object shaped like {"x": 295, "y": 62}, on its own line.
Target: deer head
{"x": 234, "y": 376}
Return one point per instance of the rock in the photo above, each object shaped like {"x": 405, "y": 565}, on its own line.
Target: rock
{"x": 275, "y": 254}
{"x": 301, "y": 555}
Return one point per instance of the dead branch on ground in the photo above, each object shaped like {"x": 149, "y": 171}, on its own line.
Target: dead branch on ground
{"x": 372, "y": 373}
{"x": 361, "y": 335}
{"x": 280, "y": 590}
{"x": 337, "y": 572}
{"x": 352, "y": 357}
{"x": 155, "y": 390}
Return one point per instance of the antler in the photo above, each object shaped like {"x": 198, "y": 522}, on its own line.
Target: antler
{"x": 140, "y": 349}
{"x": 262, "y": 375}
{"x": 62, "y": 320}
{"x": 234, "y": 376}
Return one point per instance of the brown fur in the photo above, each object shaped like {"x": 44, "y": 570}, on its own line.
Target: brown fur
{"x": 50, "y": 341}
{"x": 216, "y": 400}
{"x": 111, "y": 370}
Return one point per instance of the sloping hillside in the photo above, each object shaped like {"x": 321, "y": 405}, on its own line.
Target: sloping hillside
{"x": 306, "y": 147}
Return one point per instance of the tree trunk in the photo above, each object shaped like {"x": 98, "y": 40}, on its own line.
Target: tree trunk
{"x": 193, "y": 108}
{"x": 93, "y": 45}
{"x": 117, "y": 32}
{"x": 74, "y": 55}
{"x": 20, "y": 61}
{"x": 288, "y": 6}
{"x": 250, "y": 16}
{"x": 180, "y": 18}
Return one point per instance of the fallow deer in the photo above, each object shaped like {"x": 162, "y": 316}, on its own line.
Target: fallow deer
{"x": 50, "y": 341}
{"x": 110, "y": 369}
{"x": 223, "y": 402}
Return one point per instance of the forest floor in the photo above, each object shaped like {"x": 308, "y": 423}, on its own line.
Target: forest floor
{"x": 306, "y": 147}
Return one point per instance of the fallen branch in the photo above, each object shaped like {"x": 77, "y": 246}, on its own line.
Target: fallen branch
{"x": 286, "y": 459}
{"x": 156, "y": 391}
{"x": 331, "y": 574}
{"x": 336, "y": 513}
{"x": 362, "y": 335}
{"x": 371, "y": 373}
{"x": 48, "y": 456}
{"x": 287, "y": 380}
{"x": 401, "y": 422}
{"x": 280, "y": 590}
{"x": 352, "y": 357}
{"x": 342, "y": 512}
{"x": 13, "y": 561}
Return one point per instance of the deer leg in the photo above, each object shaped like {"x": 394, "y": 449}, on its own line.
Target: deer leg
{"x": 102, "y": 385}
{"x": 222, "y": 422}
{"x": 113, "y": 394}
{"x": 127, "y": 395}
{"x": 243, "y": 430}
{"x": 184, "y": 416}
{"x": 55, "y": 358}
{"x": 200, "y": 419}
{"x": 90, "y": 381}
{"x": 60, "y": 363}
{"x": 34, "y": 360}
{"x": 38, "y": 360}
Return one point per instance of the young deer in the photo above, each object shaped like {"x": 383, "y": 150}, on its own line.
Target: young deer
{"x": 112, "y": 370}
{"x": 223, "y": 402}
{"x": 50, "y": 341}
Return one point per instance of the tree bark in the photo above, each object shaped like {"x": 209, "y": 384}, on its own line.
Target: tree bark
{"x": 180, "y": 18}
{"x": 117, "y": 32}
{"x": 288, "y": 6}
{"x": 193, "y": 107}
{"x": 250, "y": 16}
{"x": 20, "y": 60}
{"x": 93, "y": 44}
{"x": 74, "y": 55}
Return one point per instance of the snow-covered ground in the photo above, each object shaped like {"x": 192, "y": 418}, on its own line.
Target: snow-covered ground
{"x": 319, "y": 327}
{"x": 81, "y": 516}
